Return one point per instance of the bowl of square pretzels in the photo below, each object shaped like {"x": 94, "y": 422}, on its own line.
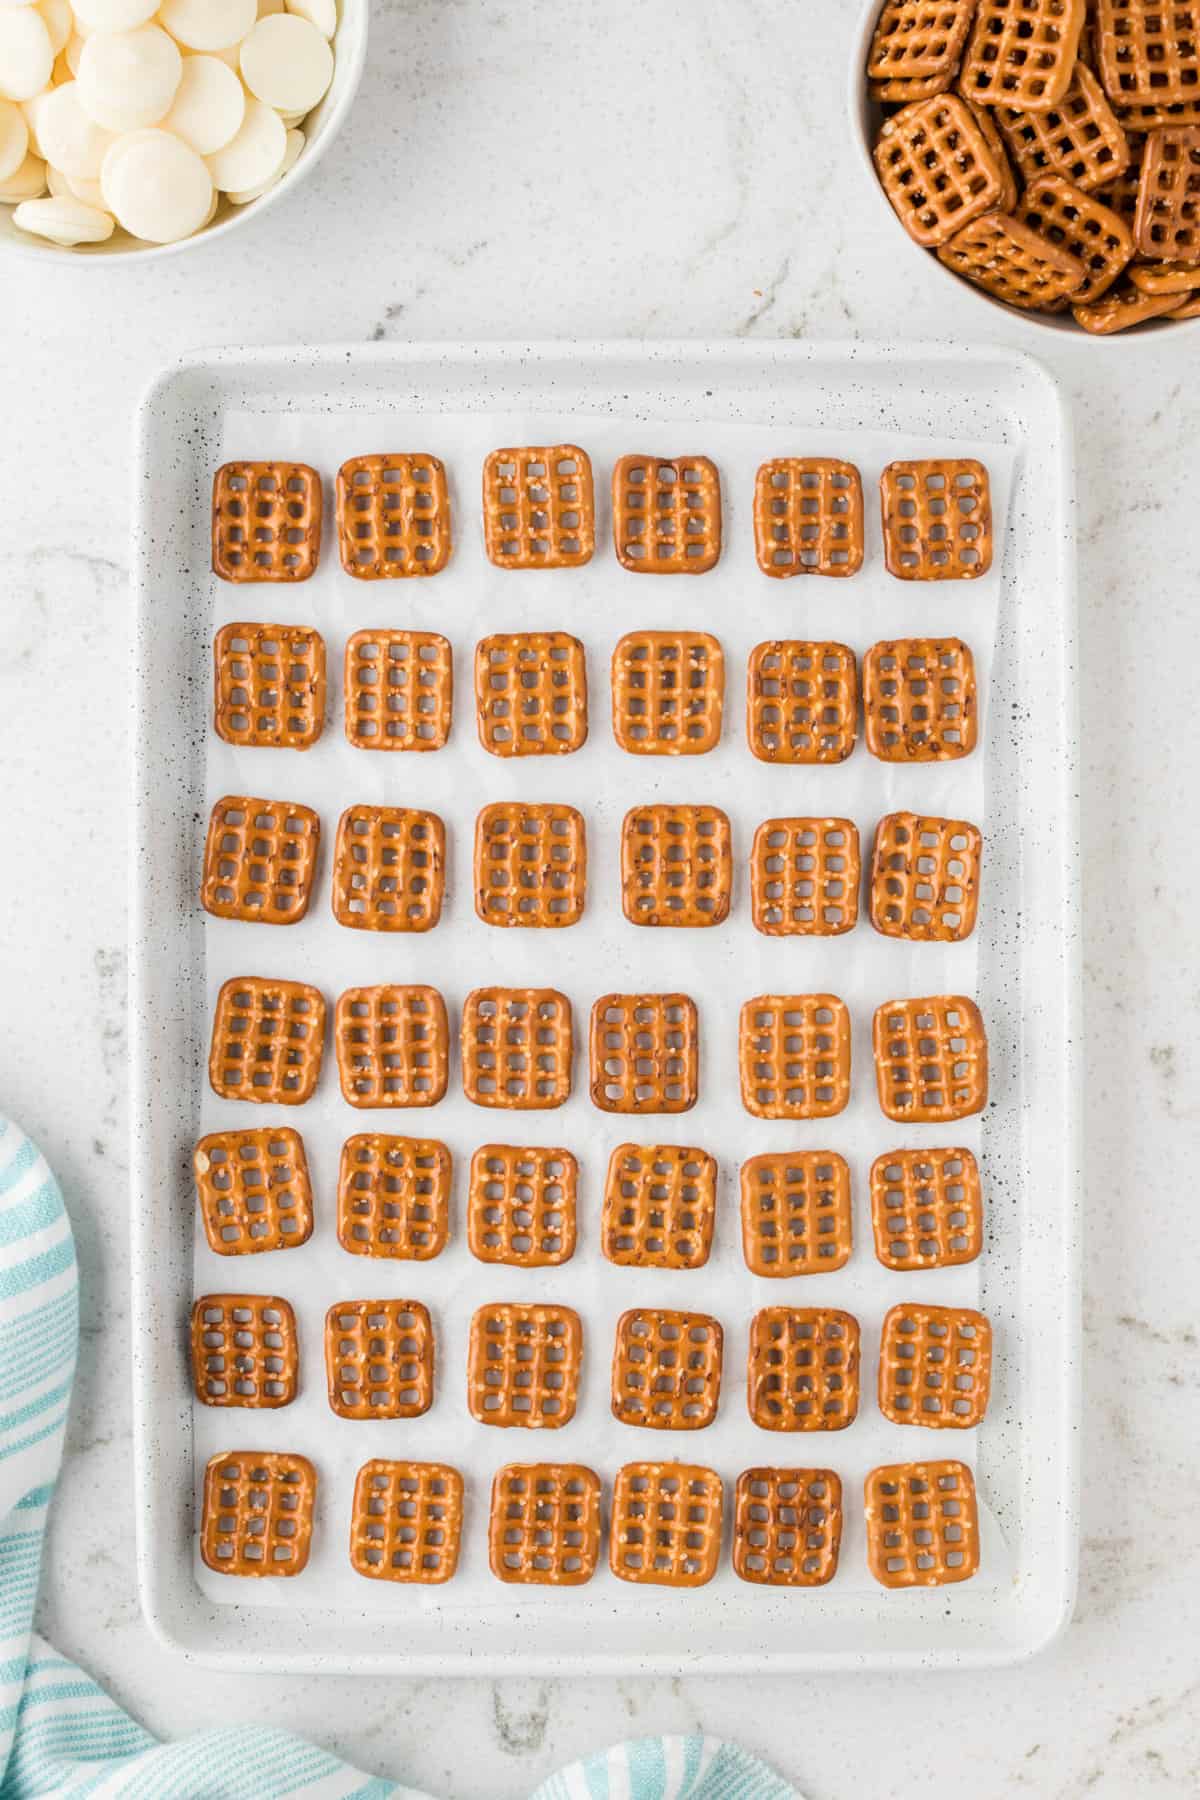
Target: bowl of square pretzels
{"x": 1044, "y": 152}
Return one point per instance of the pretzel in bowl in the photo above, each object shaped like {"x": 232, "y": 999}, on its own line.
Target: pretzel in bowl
{"x": 937, "y": 168}
{"x": 1022, "y": 52}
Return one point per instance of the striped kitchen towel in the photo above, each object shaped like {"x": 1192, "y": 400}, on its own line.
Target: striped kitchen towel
{"x": 59, "y": 1732}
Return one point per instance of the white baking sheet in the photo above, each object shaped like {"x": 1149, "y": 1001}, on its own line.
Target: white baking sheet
{"x": 739, "y": 403}
{"x": 720, "y": 967}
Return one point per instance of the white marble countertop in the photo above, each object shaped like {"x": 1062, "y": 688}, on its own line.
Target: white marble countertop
{"x": 660, "y": 170}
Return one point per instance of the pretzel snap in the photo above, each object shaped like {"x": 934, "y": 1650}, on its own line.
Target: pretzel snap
{"x": 917, "y": 47}
{"x": 1007, "y": 258}
{"x": 1080, "y": 138}
{"x": 660, "y": 1202}
{"x": 267, "y": 1041}
{"x": 406, "y": 1521}
{"x": 266, "y": 521}
{"x": 257, "y": 1512}
{"x": 644, "y": 1053}
{"x": 393, "y": 516}
{"x": 394, "y": 1196}
{"x": 676, "y": 865}
{"x": 1082, "y": 224}
{"x": 666, "y": 1524}
{"x": 937, "y": 514}
{"x": 259, "y": 860}
{"x": 808, "y": 516}
{"x": 794, "y": 1056}
{"x": 920, "y": 700}
{"x": 523, "y": 1365}
{"x": 666, "y": 514}
{"x": 544, "y": 1524}
{"x": 802, "y": 702}
{"x": 668, "y": 692}
{"x": 804, "y": 877}
{"x": 393, "y": 1046}
{"x": 1148, "y": 55}
{"x": 517, "y": 1048}
{"x": 269, "y": 685}
{"x": 530, "y": 865}
{"x": 531, "y": 693}
{"x": 389, "y": 869}
{"x": 1123, "y": 306}
{"x": 935, "y": 1366}
{"x": 925, "y": 878}
{"x": 937, "y": 168}
{"x": 399, "y": 690}
{"x": 922, "y": 1524}
{"x": 244, "y": 1350}
{"x": 379, "y": 1359}
{"x": 1166, "y": 227}
{"x": 254, "y": 1190}
{"x": 796, "y": 1212}
{"x": 787, "y": 1526}
{"x": 802, "y": 1373}
{"x": 666, "y": 1371}
{"x": 1022, "y": 52}
{"x": 926, "y": 1208}
{"x": 931, "y": 1058}
{"x": 539, "y": 508}
{"x": 521, "y": 1205}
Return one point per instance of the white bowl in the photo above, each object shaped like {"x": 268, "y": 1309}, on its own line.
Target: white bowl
{"x": 320, "y": 128}
{"x": 866, "y": 116}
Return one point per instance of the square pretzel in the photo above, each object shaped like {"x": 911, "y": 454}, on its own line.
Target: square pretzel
{"x": 644, "y": 1053}
{"x": 937, "y": 514}
{"x": 935, "y": 1366}
{"x": 796, "y": 1212}
{"x": 244, "y": 1350}
{"x": 1148, "y": 54}
{"x": 794, "y": 1056}
{"x": 393, "y": 1046}
{"x": 254, "y": 1190}
{"x": 1009, "y": 259}
{"x": 937, "y": 168}
{"x": 259, "y": 860}
{"x": 920, "y": 700}
{"x": 1082, "y": 224}
{"x": 530, "y": 865}
{"x": 1122, "y": 307}
{"x": 917, "y": 47}
{"x": 393, "y": 516}
{"x": 808, "y": 516}
{"x": 257, "y": 1512}
{"x": 1022, "y": 52}
{"x": 787, "y": 1527}
{"x": 267, "y": 1041}
{"x": 406, "y": 1521}
{"x": 801, "y": 701}
{"x": 523, "y": 1365}
{"x": 394, "y": 1196}
{"x": 531, "y": 693}
{"x": 666, "y": 1524}
{"x": 399, "y": 690}
{"x": 802, "y": 1370}
{"x": 676, "y": 865}
{"x": 517, "y": 1048}
{"x": 539, "y": 507}
{"x": 379, "y": 1359}
{"x": 521, "y": 1205}
{"x": 804, "y": 877}
{"x": 1080, "y": 138}
{"x": 931, "y": 1058}
{"x": 925, "y": 878}
{"x": 666, "y": 1370}
{"x": 1166, "y": 226}
{"x": 666, "y": 514}
{"x": 266, "y": 521}
{"x": 389, "y": 869}
{"x": 922, "y": 1524}
{"x": 668, "y": 692}
{"x": 660, "y": 1202}
{"x": 544, "y": 1523}
{"x": 926, "y": 1208}
{"x": 269, "y": 686}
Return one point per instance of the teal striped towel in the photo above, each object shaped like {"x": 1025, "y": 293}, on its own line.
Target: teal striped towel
{"x": 59, "y": 1732}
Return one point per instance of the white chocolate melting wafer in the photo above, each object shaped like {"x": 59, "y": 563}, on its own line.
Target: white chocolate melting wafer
{"x": 255, "y": 155}
{"x": 286, "y": 62}
{"x": 26, "y": 55}
{"x": 128, "y": 79}
{"x": 64, "y": 221}
{"x": 208, "y": 24}
{"x": 209, "y": 107}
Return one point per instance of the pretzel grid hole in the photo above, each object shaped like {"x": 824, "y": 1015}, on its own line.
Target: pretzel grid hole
{"x": 398, "y": 691}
